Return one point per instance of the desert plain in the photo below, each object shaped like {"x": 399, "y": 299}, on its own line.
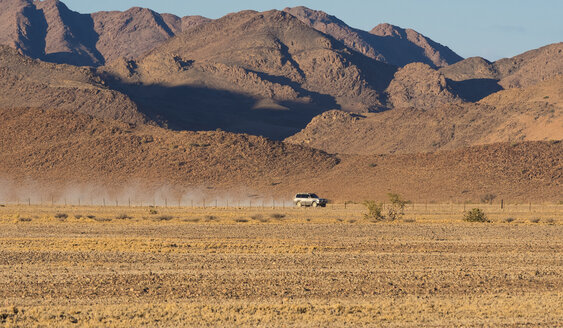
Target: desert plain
{"x": 93, "y": 266}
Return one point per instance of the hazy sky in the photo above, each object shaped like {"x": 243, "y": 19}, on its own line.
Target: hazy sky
{"x": 488, "y": 28}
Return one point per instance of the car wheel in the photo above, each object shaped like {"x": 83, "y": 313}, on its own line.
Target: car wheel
{"x": 299, "y": 204}
{"x": 314, "y": 204}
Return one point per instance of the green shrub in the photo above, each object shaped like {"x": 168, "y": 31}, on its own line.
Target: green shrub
{"x": 375, "y": 210}
{"x": 475, "y": 215}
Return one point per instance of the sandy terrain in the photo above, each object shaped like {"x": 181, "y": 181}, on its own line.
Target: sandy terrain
{"x": 302, "y": 267}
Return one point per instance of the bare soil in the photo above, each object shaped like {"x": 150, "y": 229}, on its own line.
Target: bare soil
{"x": 322, "y": 267}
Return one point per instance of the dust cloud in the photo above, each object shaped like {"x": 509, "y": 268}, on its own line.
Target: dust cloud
{"x": 131, "y": 194}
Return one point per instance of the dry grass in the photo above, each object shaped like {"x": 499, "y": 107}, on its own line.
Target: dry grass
{"x": 316, "y": 267}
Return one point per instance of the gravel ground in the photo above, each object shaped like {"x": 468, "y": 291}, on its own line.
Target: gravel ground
{"x": 177, "y": 273}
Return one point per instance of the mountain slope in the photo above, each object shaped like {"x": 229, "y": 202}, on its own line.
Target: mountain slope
{"x": 265, "y": 70}
{"x": 32, "y": 83}
{"x": 386, "y": 43}
{"x": 54, "y": 153}
{"x": 50, "y": 31}
{"x": 523, "y": 70}
{"x": 533, "y": 113}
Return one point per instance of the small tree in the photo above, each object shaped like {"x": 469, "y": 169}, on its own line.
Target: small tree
{"x": 397, "y": 208}
{"x": 475, "y": 215}
{"x": 375, "y": 210}
{"x": 488, "y": 198}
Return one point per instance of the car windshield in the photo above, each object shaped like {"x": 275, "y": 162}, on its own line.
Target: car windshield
{"x": 314, "y": 196}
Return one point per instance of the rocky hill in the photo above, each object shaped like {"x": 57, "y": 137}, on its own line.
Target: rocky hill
{"x": 33, "y": 83}
{"x": 461, "y": 105}
{"x": 388, "y": 43}
{"x": 523, "y": 70}
{"x": 53, "y": 152}
{"x": 533, "y": 113}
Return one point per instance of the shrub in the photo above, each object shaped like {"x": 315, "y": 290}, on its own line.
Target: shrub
{"x": 78, "y": 216}
{"x": 163, "y": 218}
{"x": 256, "y": 217}
{"x": 277, "y": 216}
{"x": 24, "y": 219}
{"x": 123, "y": 216}
{"x": 153, "y": 211}
{"x": 241, "y": 220}
{"x": 211, "y": 218}
{"x": 475, "y": 215}
{"x": 509, "y": 220}
{"x": 536, "y": 220}
{"x": 397, "y": 208}
{"x": 91, "y": 216}
{"x": 61, "y": 216}
{"x": 375, "y": 210}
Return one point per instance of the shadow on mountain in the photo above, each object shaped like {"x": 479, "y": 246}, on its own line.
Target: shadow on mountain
{"x": 80, "y": 37}
{"x": 474, "y": 90}
{"x": 205, "y": 109}
{"x": 34, "y": 44}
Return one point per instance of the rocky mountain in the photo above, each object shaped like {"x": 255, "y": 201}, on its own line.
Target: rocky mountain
{"x": 387, "y": 43}
{"x": 298, "y": 74}
{"x": 25, "y": 82}
{"x": 461, "y": 105}
{"x": 523, "y": 70}
{"x": 50, "y": 31}
{"x": 262, "y": 73}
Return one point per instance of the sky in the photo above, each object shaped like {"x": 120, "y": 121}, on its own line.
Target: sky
{"x": 492, "y": 29}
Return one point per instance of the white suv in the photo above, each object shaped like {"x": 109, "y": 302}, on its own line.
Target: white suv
{"x": 307, "y": 199}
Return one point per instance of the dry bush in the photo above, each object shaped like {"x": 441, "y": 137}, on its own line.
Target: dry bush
{"x": 535, "y": 220}
{"x": 475, "y": 215}
{"x": 102, "y": 219}
{"x": 241, "y": 220}
{"x": 61, "y": 216}
{"x": 397, "y": 208}
{"x": 123, "y": 216}
{"x": 152, "y": 211}
{"x": 209, "y": 218}
{"x": 277, "y": 216}
{"x": 163, "y": 218}
{"x": 24, "y": 219}
{"x": 409, "y": 220}
{"x": 192, "y": 220}
{"x": 78, "y": 216}
{"x": 91, "y": 216}
{"x": 257, "y": 217}
{"x": 509, "y": 220}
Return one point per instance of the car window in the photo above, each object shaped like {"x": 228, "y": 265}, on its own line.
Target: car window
{"x": 314, "y": 196}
